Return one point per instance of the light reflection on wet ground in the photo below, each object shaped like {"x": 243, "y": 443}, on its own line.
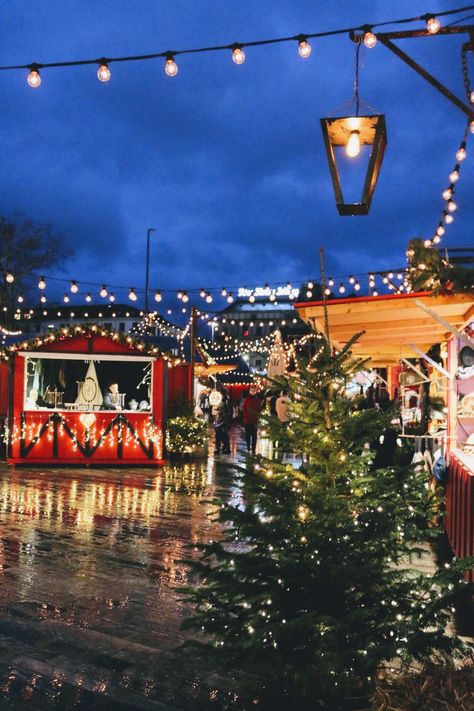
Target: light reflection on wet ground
{"x": 89, "y": 565}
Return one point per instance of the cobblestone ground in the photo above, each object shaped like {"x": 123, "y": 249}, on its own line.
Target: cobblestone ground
{"x": 90, "y": 563}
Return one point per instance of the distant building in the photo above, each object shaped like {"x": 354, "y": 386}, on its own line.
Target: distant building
{"x": 254, "y": 317}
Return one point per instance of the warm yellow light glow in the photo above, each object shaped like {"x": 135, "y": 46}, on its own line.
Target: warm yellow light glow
{"x": 34, "y": 79}
{"x": 158, "y": 296}
{"x": 74, "y": 287}
{"x": 238, "y": 55}
{"x": 446, "y": 194}
{"x": 304, "y": 49}
{"x": 454, "y": 176}
{"x": 353, "y": 144}
{"x": 103, "y": 292}
{"x": 132, "y": 295}
{"x": 461, "y": 154}
{"x": 41, "y": 283}
{"x": 104, "y": 73}
{"x": 9, "y": 278}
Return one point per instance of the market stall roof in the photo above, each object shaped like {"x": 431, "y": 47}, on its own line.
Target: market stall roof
{"x": 392, "y": 324}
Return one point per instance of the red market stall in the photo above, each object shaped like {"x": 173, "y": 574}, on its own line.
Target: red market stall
{"x": 86, "y": 396}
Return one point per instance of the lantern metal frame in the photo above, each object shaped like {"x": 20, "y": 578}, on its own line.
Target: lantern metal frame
{"x": 372, "y": 131}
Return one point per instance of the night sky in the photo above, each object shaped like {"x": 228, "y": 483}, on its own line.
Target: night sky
{"x": 226, "y": 162}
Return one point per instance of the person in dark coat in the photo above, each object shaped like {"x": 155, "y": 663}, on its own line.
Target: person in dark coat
{"x": 222, "y": 425}
{"x": 251, "y": 409}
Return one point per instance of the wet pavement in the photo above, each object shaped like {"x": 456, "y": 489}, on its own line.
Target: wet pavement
{"x": 90, "y": 563}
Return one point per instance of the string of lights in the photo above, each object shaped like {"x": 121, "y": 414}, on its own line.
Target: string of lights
{"x": 171, "y": 69}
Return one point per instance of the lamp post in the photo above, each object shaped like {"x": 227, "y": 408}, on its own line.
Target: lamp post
{"x": 149, "y": 231}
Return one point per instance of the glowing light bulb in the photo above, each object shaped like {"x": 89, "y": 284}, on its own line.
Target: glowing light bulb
{"x": 238, "y": 55}
{"x": 20, "y": 299}
{"x": 34, "y": 78}
{"x": 433, "y": 25}
{"x": 132, "y": 295}
{"x": 66, "y": 299}
{"x": 272, "y": 297}
{"x": 330, "y": 281}
{"x": 88, "y": 298}
{"x": 351, "y": 280}
{"x": 342, "y": 288}
{"x": 370, "y": 40}
{"x": 440, "y": 231}
{"x": 304, "y": 49}
{"x": 448, "y": 219}
{"x": 310, "y": 285}
{"x": 437, "y": 239}
{"x": 452, "y": 207}
{"x": 252, "y": 299}
{"x": 461, "y": 153}
{"x": 41, "y": 283}
{"x": 179, "y": 295}
{"x": 111, "y": 297}
{"x": 353, "y": 144}
{"x": 171, "y": 68}
{"x": 230, "y": 299}
{"x": 9, "y": 278}
{"x": 446, "y": 194}
{"x": 74, "y": 287}
{"x": 185, "y": 298}
{"x": 158, "y": 296}
{"x": 202, "y": 294}
{"x": 224, "y": 292}
{"x": 103, "y": 72}
{"x": 103, "y": 292}
{"x": 357, "y": 286}
{"x": 309, "y": 294}
{"x": 43, "y": 299}
{"x": 208, "y": 298}
{"x": 427, "y": 243}
{"x": 454, "y": 176}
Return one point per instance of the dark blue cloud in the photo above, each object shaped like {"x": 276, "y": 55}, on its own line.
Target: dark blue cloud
{"x": 226, "y": 162}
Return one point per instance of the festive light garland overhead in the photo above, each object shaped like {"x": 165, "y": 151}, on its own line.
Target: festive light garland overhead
{"x": 171, "y": 69}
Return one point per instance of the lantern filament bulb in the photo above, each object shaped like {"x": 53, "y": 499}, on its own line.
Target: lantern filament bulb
{"x": 353, "y": 144}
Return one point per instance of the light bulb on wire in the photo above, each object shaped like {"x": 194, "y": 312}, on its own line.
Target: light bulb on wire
{"x": 34, "y": 77}
{"x": 103, "y": 72}
{"x": 370, "y": 40}
{"x": 304, "y": 48}
{"x": 454, "y": 176}
{"x": 158, "y": 296}
{"x": 433, "y": 25}
{"x": 88, "y": 298}
{"x": 238, "y": 55}
{"x": 74, "y": 287}
{"x": 447, "y": 194}
{"x": 132, "y": 295}
{"x": 42, "y": 283}
{"x": 461, "y": 153}
{"x": 171, "y": 68}
{"x": 103, "y": 291}
{"x": 20, "y": 299}
{"x": 230, "y": 298}
{"x": 452, "y": 207}
{"x": 9, "y": 278}
{"x": 43, "y": 299}
{"x": 66, "y": 299}
{"x": 111, "y": 297}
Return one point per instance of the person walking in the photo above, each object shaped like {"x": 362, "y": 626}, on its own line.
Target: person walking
{"x": 251, "y": 409}
{"x": 222, "y": 425}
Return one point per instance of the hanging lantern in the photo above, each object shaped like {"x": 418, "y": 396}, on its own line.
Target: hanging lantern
{"x": 353, "y": 133}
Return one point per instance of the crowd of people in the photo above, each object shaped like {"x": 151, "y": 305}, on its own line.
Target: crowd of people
{"x": 217, "y": 408}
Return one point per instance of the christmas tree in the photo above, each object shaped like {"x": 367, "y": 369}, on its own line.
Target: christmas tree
{"x": 312, "y": 588}
{"x": 428, "y": 270}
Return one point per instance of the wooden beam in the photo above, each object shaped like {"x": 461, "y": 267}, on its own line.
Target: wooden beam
{"x": 417, "y": 370}
{"x": 430, "y": 360}
{"x": 467, "y": 341}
